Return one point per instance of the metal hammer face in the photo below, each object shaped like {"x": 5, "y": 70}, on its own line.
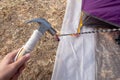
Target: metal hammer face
{"x": 44, "y": 26}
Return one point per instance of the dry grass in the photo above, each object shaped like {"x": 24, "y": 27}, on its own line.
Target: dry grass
{"x": 14, "y": 33}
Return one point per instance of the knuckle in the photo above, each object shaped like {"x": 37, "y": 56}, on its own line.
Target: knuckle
{"x": 12, "y": 67}
{"x": 8, "y": 55}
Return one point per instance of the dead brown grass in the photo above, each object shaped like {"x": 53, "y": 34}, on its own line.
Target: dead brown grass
{"x": 14, "y": 33}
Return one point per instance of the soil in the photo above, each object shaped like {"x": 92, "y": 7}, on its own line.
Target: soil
{"x": 14, "y": 32}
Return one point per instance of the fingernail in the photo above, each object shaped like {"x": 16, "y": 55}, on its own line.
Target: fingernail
{"x": 27, "y": 56}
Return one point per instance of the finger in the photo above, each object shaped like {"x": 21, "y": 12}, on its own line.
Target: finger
{"x": 15, "y": 77}
{"x": 9, "y": 58}
{"x": 21, "y": 68}
{"x": 17, "y": 64}
{"x": 17, "y": 74}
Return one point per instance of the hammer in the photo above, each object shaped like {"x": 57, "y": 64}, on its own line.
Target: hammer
{"x": 36, "y": 36}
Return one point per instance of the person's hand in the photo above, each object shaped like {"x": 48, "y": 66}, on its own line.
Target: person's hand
{"x": 10, "y": 70}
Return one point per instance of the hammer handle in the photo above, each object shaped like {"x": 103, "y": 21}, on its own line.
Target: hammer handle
{"x": 28, "y": 47}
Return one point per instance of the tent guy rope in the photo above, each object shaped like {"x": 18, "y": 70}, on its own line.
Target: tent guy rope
{"x": 90, "y": 32}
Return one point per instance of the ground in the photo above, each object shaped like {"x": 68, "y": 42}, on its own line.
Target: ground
{"x": 14, "y": 33}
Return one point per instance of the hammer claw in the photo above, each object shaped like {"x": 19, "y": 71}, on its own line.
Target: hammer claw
{"x": 44, "y": 25}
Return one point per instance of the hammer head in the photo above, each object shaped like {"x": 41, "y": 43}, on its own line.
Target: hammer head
{"x": 44, "y": 26}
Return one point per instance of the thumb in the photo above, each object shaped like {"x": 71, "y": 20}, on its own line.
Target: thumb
{"x": 17, "y": 64}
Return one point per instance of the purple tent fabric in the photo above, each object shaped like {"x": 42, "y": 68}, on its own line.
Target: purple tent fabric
{"x": 105, "y": 10}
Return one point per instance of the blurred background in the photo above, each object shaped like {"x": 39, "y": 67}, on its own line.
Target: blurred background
{"x": 14, "y": 33}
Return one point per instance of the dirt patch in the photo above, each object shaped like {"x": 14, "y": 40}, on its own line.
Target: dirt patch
{"x": 14, "y": 33}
